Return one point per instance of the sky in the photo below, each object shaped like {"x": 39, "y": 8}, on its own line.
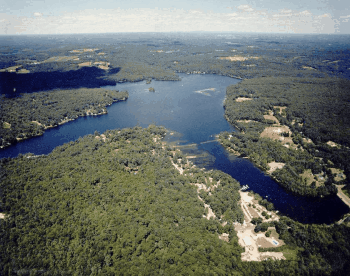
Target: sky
{"x": 103, "y": 16}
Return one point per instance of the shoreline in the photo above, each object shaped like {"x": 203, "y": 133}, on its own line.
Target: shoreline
{"x": 87, "y": 113}
{"x": 343, "y": 197}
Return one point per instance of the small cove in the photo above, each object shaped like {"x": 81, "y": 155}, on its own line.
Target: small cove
{"x": 192, "y": 107}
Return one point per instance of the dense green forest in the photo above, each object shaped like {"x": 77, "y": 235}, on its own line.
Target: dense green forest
{"x": 113, "y": 203}
{"x": 134, "y": 58}
{"x": 29, "y": 115}
{"x": 316, "y": 109}
{"x": 107, "y": 204}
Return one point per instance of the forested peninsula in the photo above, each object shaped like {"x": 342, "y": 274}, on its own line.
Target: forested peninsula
{"x": 296, "y": 129}
{"x": 125, "y": 202}
{"x": 30, "y": 114}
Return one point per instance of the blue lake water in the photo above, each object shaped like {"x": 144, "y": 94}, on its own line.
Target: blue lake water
{"x": 192, "y": 107}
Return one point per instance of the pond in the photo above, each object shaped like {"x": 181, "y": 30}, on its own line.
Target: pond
{"x": 193, "y": 109}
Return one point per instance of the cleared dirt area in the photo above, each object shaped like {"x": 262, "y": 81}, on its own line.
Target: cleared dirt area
{"x": 245, "y": 121}
{"x": 224, "y": 237}
{"x": 238, "y": 58}
{"x": 88, "y": 63}
{"x": 80, "y": 51}
{"x": 102, "y": 65}
{"x": 339, "y": 174}
{"x": 281, "y": 108}
{"x": 333, "y": 144}
{"x": 308, "y": 68}
{"x": 15, "y": 69}
{"x": 275, "y": 133}
{"x": 274, "y": 166}
{"x": 247, "y": 237}
{"x": 308, "y": 177}
{"x": 242, "y": 99}
{"x": 253, "y": 213}
{"x": 272, "y": 118}
{"x": 250, "y": 240}
{"x": 2, "y": 216}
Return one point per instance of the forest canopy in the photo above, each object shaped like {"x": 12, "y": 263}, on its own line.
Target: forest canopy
{"x": 30, "y": 114}
{"x": 111, "y": 203}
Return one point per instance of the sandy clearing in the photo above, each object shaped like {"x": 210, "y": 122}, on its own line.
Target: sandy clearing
{"x": 245, "y": 121}
{"x": 308, "y": 68}
{"x": 181, "y": 170}
{"x": 224, "y": 237}
{"x": 274, "y": 166}
{"x": 272, "y": 118}
{"x": 242, "y": 99}
{"x": 275, "y": 133}
{"x": 6, "y": 125}
{"x": 11, "y": 69}
{"x": 102, "y": 65}
{"x": 272, "y": 255}
{"x": 238, "y": 58}
{"x": 210, "y": 213}
{"x": 88, "y": 63}
{"x": 333, "y": 144}
{"x": 339, "y": 174}
{"x": 250, "y": 240}
{"x": 253, "y": 213}
{"x": 308, "y": 140}
{"x": 2, "y": 216}
{"x": 308, "y": 177}
{"x": 80, "y": 51}
{"x": 263, "y": 242}
{"x": 36, "y": 122}
{"x": 281, "y": 108}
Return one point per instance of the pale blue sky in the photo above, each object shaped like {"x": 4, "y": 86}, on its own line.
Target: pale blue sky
{"x": 87, "y": 16}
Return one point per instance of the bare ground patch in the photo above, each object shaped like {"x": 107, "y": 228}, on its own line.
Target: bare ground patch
{"x": 333, "y": 144}
{"x": 339, "y": 174}
{"x": 272, "y": 118}
{"x": 88, "y": 63}
{"x": 308, "y": 67}
{"x": 11, "y": 69}
{"x": 224, "y": 237}
{"x": 276, "y": 133}
{"x": 274, "y": 166}
{"x": 238, "y": 58}
{"x": 250, "y": 240}
{"x": 242, "y": 99}
{"x": 281, "y": 108}
{"x": 253, "y": 213}
{"x": 308, "y": 177}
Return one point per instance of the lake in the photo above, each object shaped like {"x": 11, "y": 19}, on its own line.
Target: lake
{"x": 193, "y": 109}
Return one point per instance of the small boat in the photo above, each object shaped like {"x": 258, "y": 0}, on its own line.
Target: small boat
{"x": 245, "y": 187}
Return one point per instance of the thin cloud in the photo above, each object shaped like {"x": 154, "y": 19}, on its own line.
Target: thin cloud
{"x": 245, "y": 8}
{"x": 246, "y": 19}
